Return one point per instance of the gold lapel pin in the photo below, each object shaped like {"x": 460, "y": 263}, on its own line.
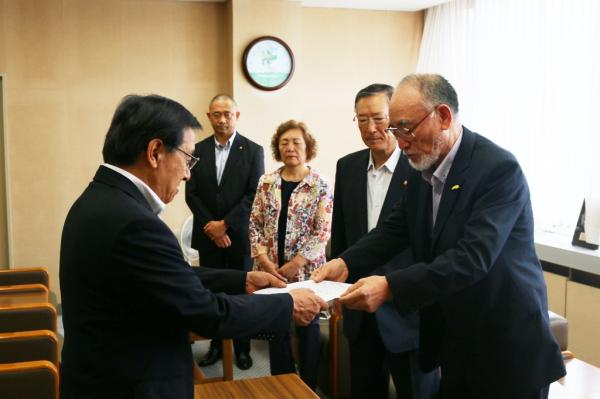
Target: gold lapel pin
{"x": 455, "y": 187}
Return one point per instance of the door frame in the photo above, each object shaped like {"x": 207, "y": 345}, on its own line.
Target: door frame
{"x": 4, "y": 138}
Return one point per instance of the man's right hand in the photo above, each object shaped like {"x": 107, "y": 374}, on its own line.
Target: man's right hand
{"x": 334, "y": 270}
{"x": 306, "y": 305}
{"x": 222, "y": 242}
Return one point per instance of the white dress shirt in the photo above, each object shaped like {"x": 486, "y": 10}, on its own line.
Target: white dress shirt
{"x": 154, "y": 201}
{"x": 221, "y": 155}
{"x": 378, "y": 182}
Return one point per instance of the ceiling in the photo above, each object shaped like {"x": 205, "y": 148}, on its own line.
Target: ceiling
{"x": 389, "y": 5}
{"x": 392, "y": 5}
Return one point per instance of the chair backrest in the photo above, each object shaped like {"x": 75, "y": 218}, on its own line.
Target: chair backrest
{"x": 23, "y": 293}
{"x": 29, "y": 275}
{"x": 26, "y": 317}
{"x": 32, "y": 380}
{"x": 27, "y": 346}
{"x": 185, "y": 241}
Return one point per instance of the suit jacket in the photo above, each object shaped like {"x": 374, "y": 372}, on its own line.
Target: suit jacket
{"x": 477, "y": 279}
{"x": 399, "y": 333}
{"x": 229, "y": 200}
{"x": 129, "y": 299}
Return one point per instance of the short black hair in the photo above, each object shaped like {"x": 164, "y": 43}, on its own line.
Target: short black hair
{"x": 140, "y": 119}
{"x": 373, "y": 90}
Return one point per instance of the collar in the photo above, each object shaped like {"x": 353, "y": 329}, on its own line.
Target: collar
{"x": 228, "y": 144}
{"x": 442, "y": 171}
{"x": 391, "y": 162}
{"x": 154, "y": 201}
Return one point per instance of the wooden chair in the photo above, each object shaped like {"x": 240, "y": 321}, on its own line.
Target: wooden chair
{"x": 28, "y": 275}
{"x": 32, "y": 380}
{"x": 227, "y": 351}
{"x": 27, "y": 317}
{"x": 28, "y": 346}
{"x": 23, "y": 294}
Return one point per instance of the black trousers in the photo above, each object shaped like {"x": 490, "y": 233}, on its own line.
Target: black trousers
{"x": 457, "y": 388}
{"x": 371, "y": 365}
{"x": 225, "y": 259}
{"x": 309, "y": 345}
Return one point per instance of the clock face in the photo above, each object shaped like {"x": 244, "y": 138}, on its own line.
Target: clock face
{"x": 268, "y": 63}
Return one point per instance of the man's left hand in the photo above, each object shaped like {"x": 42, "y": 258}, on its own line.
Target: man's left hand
{"x": 215, "y": 228}
{"x": 257, "y": 280}
{"x": 367, "y": 294}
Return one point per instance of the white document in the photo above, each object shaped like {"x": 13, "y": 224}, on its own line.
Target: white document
{"x": 327, "y": 290}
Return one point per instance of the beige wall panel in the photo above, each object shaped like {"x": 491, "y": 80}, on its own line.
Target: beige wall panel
{"x": 92, "y": 43}
{"x": 557, "y": 292}
{"x": 3, "y": 33}
{"x": 68, "y": 64}
{"x": 337, "y": 52}
{"x": 33, "y": 41}
{"x": 583, "y": 313}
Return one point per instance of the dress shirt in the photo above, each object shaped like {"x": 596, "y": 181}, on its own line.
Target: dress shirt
{"x": 154, "y": 201}
{"x": 437, "y": 179}
{"x": 221, "y": 155}
{"x": 378, "y": 182}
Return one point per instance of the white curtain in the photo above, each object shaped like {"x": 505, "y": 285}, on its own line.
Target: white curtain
{"x": 527, "y": 73}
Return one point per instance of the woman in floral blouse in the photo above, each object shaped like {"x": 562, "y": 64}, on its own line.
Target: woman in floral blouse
{"x": 290, "y": 224}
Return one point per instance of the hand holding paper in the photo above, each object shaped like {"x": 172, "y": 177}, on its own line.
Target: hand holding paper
{"x": 306, "y": 305}
{"x": 367, "y": 294}
{"x": 335, "y": 270}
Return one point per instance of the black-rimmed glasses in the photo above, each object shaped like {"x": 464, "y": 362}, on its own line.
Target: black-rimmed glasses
{"x": 192, "y": 160}
{"x": 405, "y": 133}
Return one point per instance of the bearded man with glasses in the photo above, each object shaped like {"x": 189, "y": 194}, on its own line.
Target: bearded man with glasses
{"x": 476, "y": 280}
{"x": 367, "y": 185}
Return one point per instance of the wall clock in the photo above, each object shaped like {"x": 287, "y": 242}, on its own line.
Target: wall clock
{"x": 268, "y": 63}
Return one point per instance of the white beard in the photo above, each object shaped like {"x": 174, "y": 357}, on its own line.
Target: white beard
{"x": 428, "y": 160}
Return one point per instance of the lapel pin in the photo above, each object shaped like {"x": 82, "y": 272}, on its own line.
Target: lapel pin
{"x": 241, "y": 147}
{"x": 455, "y": 187}
{"x": 405, "y": 182}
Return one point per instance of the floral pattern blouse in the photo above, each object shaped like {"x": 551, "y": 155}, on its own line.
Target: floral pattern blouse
{"x": 308, "y": 221}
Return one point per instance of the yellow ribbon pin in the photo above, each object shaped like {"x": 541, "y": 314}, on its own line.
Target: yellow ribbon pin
{"x": 455, "y": 187}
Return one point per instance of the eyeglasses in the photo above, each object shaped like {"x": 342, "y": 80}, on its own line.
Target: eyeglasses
{"x": 192, "y": 160}
{"x": 364, "y": 120}
{"x": 405, "y": 133}
{"x": 218, "y": 115}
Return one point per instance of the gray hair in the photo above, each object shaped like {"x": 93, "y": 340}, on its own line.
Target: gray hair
{"x": 435, "y": 89}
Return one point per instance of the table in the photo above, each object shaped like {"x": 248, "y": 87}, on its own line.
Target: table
{"x": 285, "y": 386}
{"x": 581, "y": 382}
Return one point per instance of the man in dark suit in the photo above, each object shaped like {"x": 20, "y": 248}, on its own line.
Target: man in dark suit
{"x": 220, "y": 194}
{"x": 367, "y": 184}
{"x": 477, "y": 281}
{"x": 128, "y": 296}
